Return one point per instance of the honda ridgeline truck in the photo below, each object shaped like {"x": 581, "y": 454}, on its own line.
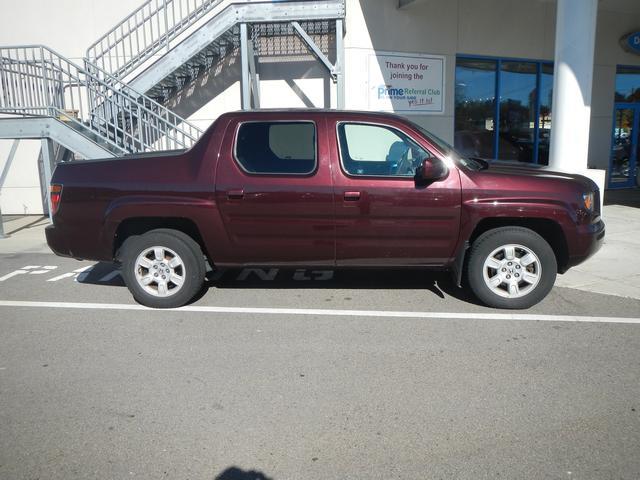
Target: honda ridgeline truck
{"x": 310, "y": 188}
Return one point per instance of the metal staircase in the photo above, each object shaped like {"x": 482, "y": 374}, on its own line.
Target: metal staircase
{"x": 83, "y": 108}
{"x": 117, "y": 101}
{"x": 167, "y": 44}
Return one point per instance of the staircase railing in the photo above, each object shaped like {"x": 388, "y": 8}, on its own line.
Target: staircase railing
{"x": 146, "y": 31}
{"x": 37, "y": 81}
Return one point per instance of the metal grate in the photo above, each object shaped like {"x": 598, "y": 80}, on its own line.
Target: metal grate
{"x": 280, "y": 40}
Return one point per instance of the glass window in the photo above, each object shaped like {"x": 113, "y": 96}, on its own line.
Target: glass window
{"x": 475, "y": 107}
{"x": 287, "y": 148}
{"x": 621, "y": 151}
{"x": 628, "y": 84}
{"x": 521, "y": 110}
{"x": 517, "y": 111}
{"x": 376, "y": 150}
{"x": 544, "y": 115}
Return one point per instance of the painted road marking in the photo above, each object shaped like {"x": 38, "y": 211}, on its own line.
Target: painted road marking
{"x": 327, "y": 312}
{"x": 32, "y": 269}
{"x": 79, "y": 274}
{"x": 265, "y": 275}
{"x": 45, "y": 269}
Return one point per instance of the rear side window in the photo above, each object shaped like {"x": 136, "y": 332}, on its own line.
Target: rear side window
{"x": 277, "y": 148}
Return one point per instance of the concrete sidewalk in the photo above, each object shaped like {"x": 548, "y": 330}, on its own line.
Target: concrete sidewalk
{"x": 24, "y": 234}
{"x": 614, "y": 270}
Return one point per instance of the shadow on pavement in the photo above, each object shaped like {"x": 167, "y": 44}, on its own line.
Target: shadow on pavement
{"x": 440, "y": 283}
{"x": 235, "y": 473}
{"x": 37, "y": 222}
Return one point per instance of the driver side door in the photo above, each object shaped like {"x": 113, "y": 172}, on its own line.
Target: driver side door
{"x": 385, "y": 216}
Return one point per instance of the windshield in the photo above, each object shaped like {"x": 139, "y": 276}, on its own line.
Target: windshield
{"x": 448, "y": 150}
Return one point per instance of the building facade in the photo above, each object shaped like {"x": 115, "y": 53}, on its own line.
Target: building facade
{"x": 478, "y": 73}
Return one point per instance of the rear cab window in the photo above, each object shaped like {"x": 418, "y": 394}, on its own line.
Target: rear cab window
{"x": 277, "y": 148}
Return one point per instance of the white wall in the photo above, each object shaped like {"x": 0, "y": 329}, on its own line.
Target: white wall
{"x": 69, "y": 27}
{"x": 20, "y": 190}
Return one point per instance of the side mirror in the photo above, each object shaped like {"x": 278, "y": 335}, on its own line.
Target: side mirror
{"x": 433, "y": 169}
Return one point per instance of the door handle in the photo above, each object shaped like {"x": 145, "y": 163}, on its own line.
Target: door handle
{"x": 235, "y": 194}
{"x": 351, "y": 196}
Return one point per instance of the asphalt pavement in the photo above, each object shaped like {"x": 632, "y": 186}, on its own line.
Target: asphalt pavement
{"x": 310, "y": 374}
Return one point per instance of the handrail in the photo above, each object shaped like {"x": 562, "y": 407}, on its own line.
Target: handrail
{"x": 36, "y": 80}
{"x": 147, "y": 30}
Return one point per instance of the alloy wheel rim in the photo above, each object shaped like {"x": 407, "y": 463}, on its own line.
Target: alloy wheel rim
{"x": 160, "y": 271}
{"x": 512, "y": 271}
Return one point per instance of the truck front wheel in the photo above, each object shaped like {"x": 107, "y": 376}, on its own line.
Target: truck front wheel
{"x": 162, "y": 268}
{"x": 511, "y": 267}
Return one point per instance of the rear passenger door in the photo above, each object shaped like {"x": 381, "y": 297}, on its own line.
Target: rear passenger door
{"x": 274, "y": 193}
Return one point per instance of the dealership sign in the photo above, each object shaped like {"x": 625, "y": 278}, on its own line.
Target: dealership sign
{"x": 405, "y": 83}
{"x": 631, "y": 42}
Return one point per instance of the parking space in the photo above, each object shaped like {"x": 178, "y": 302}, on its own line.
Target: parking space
{"x": 47, "y": 278}
{"x": 92, "y": 392}
{"x": 310, "y": 373}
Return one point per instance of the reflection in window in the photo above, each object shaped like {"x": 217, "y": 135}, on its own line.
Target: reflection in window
{"x": 475, "y": 107}
{"x": 521, "y": 111}
{"x": 286, "y": 148}
{"x": 621, "y": 150}
{"x": 628, "y": 84}
{"x": 544, "y": 117}
{"x": 517, "y": 110}
{"x": 375, "y": 150}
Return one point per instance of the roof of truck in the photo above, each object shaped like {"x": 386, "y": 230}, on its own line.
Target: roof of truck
{"x": 317, "y": 111}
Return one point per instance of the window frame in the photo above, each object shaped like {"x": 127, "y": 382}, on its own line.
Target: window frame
{"x": 277, "y": 174}
{"x": 636, "y": 69}
{"x": 375, "y": 124}
{"x": 497, "y": 95}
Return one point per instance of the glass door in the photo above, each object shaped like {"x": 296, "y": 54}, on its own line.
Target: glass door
{"x": 624, "y": 147}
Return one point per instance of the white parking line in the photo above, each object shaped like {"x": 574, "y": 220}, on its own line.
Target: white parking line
{"x": 328, "y": 312}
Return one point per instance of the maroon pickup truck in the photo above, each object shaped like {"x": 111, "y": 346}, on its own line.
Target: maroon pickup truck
{"x": 323, "y": 188}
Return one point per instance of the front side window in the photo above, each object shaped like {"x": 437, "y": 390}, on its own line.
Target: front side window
{"x": 284, "y": 148}
{"x": 376, "y": 150}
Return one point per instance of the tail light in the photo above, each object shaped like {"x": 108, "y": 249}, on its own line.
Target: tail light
{"x": 55, "y": 191}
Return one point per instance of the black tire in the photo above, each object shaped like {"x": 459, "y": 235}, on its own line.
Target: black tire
{"x": 191, "y": 272}
{"x": 545, "y": 268}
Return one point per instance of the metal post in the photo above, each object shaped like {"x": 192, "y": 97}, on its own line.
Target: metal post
{"x": 3, "y": 176}
{"x": 336, "y": 71}
{"x": 47, "y": 158}
{"x": 166, "y": 22}
{"x": 245, "y": 82}
{"x": 2, "y": 235}
{"x": 339, "y": 67}
{"x": 255, "y": 78}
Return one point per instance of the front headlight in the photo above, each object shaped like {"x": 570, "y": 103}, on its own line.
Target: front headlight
{"x": 588, "y": 201}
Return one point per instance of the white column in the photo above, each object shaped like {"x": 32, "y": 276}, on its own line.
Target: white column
{"x": 572, "y": 81}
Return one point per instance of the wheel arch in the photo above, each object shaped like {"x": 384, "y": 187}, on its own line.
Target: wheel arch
{"x": 548, "y": 229}
{"x": 140, "y": 225}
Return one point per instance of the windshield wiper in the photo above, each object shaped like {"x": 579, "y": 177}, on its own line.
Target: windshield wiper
{"x": 483, "y": 163}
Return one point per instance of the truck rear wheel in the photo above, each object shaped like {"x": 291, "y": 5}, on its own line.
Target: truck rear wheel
{"x": 162, "y": 268}
{"x": 511, "y": 267}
